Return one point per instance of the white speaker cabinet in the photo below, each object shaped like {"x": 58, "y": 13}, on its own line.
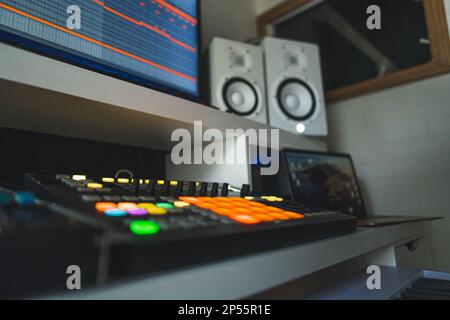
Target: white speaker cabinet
{"x": 295, "y": 98}
{"x": 236, "y": 79}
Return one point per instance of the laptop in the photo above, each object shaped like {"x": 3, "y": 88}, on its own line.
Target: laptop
{"x": 329, "y": 181}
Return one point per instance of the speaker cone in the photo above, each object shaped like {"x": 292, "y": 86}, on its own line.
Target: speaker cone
{"x": 240, "y": 96}
{"x": 296, "y": 99}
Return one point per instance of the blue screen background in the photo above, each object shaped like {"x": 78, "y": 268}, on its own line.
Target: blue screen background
{"x": 154, "y": 40}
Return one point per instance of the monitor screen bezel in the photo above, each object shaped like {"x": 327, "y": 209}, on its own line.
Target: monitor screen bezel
{"x": 325, "y": 153}
{"x": 14, "y": 38}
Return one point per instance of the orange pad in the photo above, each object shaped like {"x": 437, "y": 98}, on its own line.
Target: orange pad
{"x": 245, "y": 219}
{"x": 103, "y": 206}
{"x": 242, "y": 210}
{"x": 222, "y": 211}
{"x": 278, "y": 216}
{"x": 293, "y": 215}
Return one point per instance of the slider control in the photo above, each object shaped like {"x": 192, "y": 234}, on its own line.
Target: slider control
{"x": 245, "y": 190}
{"x": 166, "y": 188}
{"x": 179, "y": 189}
{"x": 192, "y": 189}
{"x": 224, "y": 192}
{"x": 203, "y": 189}
{"x": 136, "y": 186}
{"x": 152, "y": 187}
{"x": 214, "y": 190}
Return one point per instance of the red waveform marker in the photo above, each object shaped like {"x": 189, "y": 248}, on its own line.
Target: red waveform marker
{"x": 104, "y": 45}
{"x": 143, "y": 24}
{"x": 176, "y": 11}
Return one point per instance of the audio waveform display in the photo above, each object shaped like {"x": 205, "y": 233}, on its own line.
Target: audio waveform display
{"x": 156, "y": 40}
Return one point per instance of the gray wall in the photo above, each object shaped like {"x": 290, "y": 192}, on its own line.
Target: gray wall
{"x": 400, "y": 140}
{"x": 232, "y": 19}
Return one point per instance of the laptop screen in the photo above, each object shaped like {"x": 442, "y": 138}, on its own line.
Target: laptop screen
{"x": 325, "y": 180}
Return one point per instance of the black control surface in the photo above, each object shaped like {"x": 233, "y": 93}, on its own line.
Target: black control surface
{"x": 156, "y": 225}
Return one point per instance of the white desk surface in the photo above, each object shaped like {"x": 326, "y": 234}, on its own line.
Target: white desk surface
{"x": 245, "y": 276}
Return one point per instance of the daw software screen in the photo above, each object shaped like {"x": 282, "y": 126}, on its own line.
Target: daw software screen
{"x": 153, "y": 40}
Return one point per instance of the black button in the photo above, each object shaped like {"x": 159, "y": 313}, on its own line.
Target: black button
{"x": 112, "y": 198}
{"x": 130, "y": 198}
{"x": 90, "y": 198}
{"x": 215, "y": 190}
{"x": 203, "y": 189}
{"x": 224, "y": 192}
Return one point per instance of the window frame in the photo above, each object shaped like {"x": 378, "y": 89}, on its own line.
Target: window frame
{"x": 438, "y": 34}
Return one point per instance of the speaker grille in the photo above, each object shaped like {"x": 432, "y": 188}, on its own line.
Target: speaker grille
{"x": 296, "y": 99}
{"x": 240, "y": 96}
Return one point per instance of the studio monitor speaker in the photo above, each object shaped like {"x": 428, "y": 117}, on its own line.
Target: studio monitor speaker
{"x": 295, "y": 97}
{"x": 236, "y": 79}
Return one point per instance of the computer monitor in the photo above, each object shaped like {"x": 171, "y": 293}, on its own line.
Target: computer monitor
{"x": 154, "y": 43}
{"x": 326, "y": 180}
